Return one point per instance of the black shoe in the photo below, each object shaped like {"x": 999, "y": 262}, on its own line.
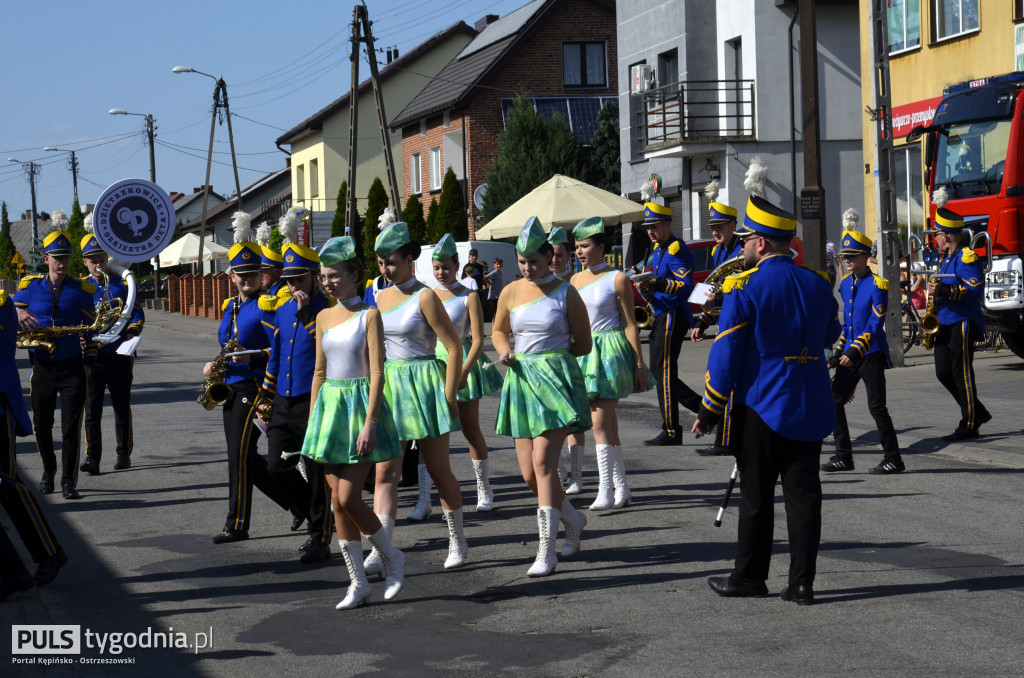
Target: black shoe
{"x": 801, "y": 595}
{"x": 46, "y": 483}
{"x": 306, "y": 544}
{"x": 69, "y": 491}
{"x": 961, "y": 433}
{"x": 888, "y": 468}
{"x": 123, "y": 461}
{"x": 724, "y": 586}
{"x": 838, "y": 463}
{"x": 983, "y": 419}
{"x": 49, "y": 567}
{"x": 713, "y": 451}
{"x": 91, "y": 466}
{"x": 229, "y": 536}
{"x": 663, "y": 439}
{"x": 316, "y": 553}
{"x": 297, "y": 520}
{"x": 23, "y": 582}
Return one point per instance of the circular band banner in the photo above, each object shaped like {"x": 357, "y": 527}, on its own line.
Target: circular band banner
{"x": 133, "y": 220}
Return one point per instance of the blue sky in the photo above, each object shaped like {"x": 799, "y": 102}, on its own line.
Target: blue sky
{"x": 66, "y": 63}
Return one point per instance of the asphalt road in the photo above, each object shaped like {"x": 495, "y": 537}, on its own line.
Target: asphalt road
{"x": 919, "y": 574}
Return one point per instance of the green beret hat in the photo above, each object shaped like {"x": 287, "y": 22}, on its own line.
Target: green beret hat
{"x": 588, "y": 228}
{"x": 391, "y": 238}
{"x": 338, "y": 249}
{"x": 445, "y": 248}
{"x": 531, "y": 238}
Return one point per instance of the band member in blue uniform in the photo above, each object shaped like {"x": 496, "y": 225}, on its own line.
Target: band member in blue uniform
{"x": 672, "y": 265}
{"x": 249, "y": 327}
{"x": 862, "y": 353}
{"x": 20, "y": 505}
{"x": 57, "y": 300}
{"x": 722, "y": 221}
{"x": 288, "y": 383}
{"x": 111, "y": 370}
{"x": 777, "y": 318}
{"x": 958, "y": 301}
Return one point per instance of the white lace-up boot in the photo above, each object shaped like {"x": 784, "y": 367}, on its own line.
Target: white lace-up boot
{"x": 605, "y": 493}
{"x": 392, "y": 563}
{"x": 373, "y": 564}
{"x": 575, "y": 470}
{"x": 622, "y": 493}
{"x": 573, "y": 521}
{"x": 484, "y": 495}
{"x": 458, "y": 548}
{"x": 423, "y": 508}
{"x": 358, "y": 587}
{"x": 547, "y": 527}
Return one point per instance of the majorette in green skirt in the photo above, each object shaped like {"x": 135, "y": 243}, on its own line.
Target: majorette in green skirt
{"x": 609, "y": 368}
{"x": 414, "y": 388}
{"x": 543, "y": 391}
{"x": 337, "y": 419}
{"x": 484, "y": 378}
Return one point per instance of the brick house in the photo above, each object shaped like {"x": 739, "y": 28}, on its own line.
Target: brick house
{"x": 562, "y": 53}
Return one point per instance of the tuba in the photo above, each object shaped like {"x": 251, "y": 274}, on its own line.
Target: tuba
{"x": 712, "y": 307}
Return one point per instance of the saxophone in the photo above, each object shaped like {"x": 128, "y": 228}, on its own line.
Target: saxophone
{"x": 929, "y": 324}
{"x": 45, "y": 338}
{"x": 214, "y": 392}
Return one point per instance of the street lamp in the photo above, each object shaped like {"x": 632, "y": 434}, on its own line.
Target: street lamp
{"x": 72, "y": 165}
{"x": 149, "y": 133}
{"x": 33, "y": 170}
{"x": 219, "y": 90}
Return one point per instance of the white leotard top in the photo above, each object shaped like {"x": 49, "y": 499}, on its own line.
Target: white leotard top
{"x": 599, "y": 298}
{"x": 542, "y": 325}
{"x": 344, "y": 345}
{"x": 407, "y": 334}
{"x": 458, "y": 310}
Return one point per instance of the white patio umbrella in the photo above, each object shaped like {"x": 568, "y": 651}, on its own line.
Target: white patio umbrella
{"x": 561, "y": 201}
{"x": 185, "y": 250}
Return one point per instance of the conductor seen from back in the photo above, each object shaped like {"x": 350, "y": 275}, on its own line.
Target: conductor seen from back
{"x": 777, "y": 319}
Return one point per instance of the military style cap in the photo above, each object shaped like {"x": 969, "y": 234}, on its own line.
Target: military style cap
{"x": 245, "y": 257}
{"x": 557, "y": 236}
{"x": 720, "y": 212}
{"x": 57, "y": 244}
{"x": 445, "y": 248}
{"x": 91, "y": 246}
{"x": 948, "y": 221}
{"x": 531, "y": 238}
{"x": 270, "y": 258}
{"x": 653, "y": 213}
{"x": 855, "y": 242}
{"x": 298, "y": 260}
{"x": 337, "y": 249}
{"x": 764, "y": 218}
{"x": 588, "y": 228}
{"x": 391, "y": 238}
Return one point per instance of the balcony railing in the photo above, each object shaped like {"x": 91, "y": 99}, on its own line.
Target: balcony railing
{"x": 698, "y": 110}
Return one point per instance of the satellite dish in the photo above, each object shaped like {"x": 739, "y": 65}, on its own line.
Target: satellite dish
{"x": 478, "y": 196}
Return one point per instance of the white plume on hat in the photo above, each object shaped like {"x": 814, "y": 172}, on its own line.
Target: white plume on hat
{"x": 940, "y": 196}
{"x": 757, "y": 175}
{"x": 288, "y": 227}
{"x": 88, "y": 223}
{"x": 240, "y": 224}
{"x": 647, "y": 191}
{"x": 59, "y": 219}
{"x": 263, "y": 234}
{"x": 850, "y": 219}
{"x": 386, "y": 219}
{"x": 711, "y": 190}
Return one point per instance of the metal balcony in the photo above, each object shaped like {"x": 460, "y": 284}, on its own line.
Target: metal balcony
{"x": 697, "y": 111}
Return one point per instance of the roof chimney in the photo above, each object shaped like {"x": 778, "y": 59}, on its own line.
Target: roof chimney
{"x": 485, "y": 21}
{"x": 199, "y": 189}
{"x": 389, "y": 55}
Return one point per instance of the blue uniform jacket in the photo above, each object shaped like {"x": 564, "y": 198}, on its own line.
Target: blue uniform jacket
{"x": 119, "y": 290}
{"x": 865, "y": 301}
{"x": 724, "y": 252}
{"x": 673, "y": 262}
{"x": 293, "y": 348}
{"x": 777, "y": 319}
{"x": 255, "y": 329}
{"x": 966, "y": 291}
{"x": 74, "y": 307}
{"x": 10, "y": 382}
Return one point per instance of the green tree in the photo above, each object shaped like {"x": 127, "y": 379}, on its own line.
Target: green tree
{"x": 433, "y": 232}
{"x": 376, "y": 203}
{"x": 531, "y": 149}
{"x": 7, "y": 269}
{"x": 603, "y": 163}
{"x": 276, "y": 240}
{"x": 413, "y": 216}
{"x": 451, "y": 209}
{"x": 76, "y": 227}
{"x": 338, "y": 225}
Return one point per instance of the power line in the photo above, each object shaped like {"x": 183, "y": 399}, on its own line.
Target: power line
{"x": 216, "y": 162}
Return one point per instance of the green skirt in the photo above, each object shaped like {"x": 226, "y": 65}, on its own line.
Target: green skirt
{"x": 415, "y": 391}
{"x": 608, "y": 369}
{"x": 543, "y": 392}
{"x": 337, "y": 419}
{"x": 481, "y": 380}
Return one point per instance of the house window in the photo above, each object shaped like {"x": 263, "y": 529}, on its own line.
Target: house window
{"x": 1018, "y": 10}
{"x": 668, "y": 68}
{"x": 953, "y": 17}
{"x": 300, "y": 182}
{"x": 904, "y": 19}
{"x": 909, "y": 191}
{"x": 415, "y": 178}
{"x": 314, "y": 178}
{"x": 435, "y": 168}
{"x": 583, "y": 64}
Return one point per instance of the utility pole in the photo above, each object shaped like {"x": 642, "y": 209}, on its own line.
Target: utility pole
{"x": 385, "y": 138}
{"x": 35, "y": 260}
{"x": 885, "y": 185}
{"x": 73, "y": 165}
{"x": 152, "y": 151}
{"x": 351, "y": 213}
{"x": 812, "y": 195}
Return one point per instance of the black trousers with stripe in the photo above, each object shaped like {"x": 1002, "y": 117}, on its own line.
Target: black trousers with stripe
{"x": 66, "y": 378}
{"x": 666, "y": 340}
{"x": 114, "y": 372}
{"x": 285, "y": 433}
{"x": 246, "y": 466}
{"x": 954, "y": 367}
{"x": 872, "y": 370}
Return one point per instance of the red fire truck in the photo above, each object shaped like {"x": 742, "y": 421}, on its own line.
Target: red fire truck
{"x": 975, "y": 149}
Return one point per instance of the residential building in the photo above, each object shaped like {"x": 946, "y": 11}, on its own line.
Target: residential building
{"x": 717, "y": 84}
{"x": 561, "y": 53}
{"x": 188, "y": 206}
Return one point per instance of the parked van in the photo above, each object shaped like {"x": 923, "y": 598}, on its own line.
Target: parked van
{"x": 487, "y": 250}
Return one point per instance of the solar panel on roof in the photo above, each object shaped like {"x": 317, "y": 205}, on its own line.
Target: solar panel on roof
{"x": 579, "y": 112}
